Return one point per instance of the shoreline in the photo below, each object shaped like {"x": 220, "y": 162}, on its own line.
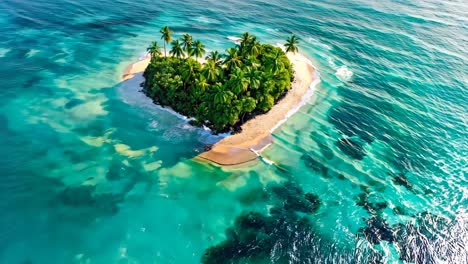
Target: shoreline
{"x": 256, "y": 133}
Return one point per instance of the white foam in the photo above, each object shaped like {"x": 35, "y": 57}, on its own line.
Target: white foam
{"x": 344, "y": 74}
{"x": 234, "y": 39}
{"x": 3, "y": 52}
{"x": 206, "y": 20}
{"x": 131, "y": 94}
{"x": 318, "y": 43}
{"x": 331, "y": 62}
{"x": 267, "y": 161}
{"x": 31, "y": 53}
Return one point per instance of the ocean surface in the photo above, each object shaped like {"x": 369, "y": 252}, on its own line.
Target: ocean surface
{"x": 92, "y": 172}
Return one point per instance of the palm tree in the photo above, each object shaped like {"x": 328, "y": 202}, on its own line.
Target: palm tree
{"x": 211, "y": 71}
{"x": 221, "y": 95}
{"x": 189, "y": 70}
{"x": 177, "y": 49}
{"x": 274, "y": 63}
{"x": 202, "y": 84}
{"x": 166, "y": 36}
{"x": 187, "y": 43}
{"x": 215, "y": 57}
{"x": 232, "y": 59}
{"x": 252, "y": 62}
{"x": 248, "y": 104}
{"x": 253, "y": 77}
{"x": 238, "y": 81}
{"x": 255, "y": 48}
{"x": 246, "y": 40}
{"x": 198, "y": 49}
{"x": 154, "y": 49}
{"x": 291, "y": 44}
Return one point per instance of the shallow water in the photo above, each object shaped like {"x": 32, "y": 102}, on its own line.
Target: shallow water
{"x": 92, "y": 172}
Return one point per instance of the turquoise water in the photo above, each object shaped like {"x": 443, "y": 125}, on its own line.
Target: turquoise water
{"x": 92, "y": 172}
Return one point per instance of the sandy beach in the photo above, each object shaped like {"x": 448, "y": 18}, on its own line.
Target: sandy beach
{"x": 256, "y": 133}
{"x": 136, "y": 67}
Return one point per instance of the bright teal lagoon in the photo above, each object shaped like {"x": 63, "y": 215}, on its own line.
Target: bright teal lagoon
{"x": 92, "y": 172}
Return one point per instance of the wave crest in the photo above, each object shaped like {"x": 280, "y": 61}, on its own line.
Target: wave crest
{"x": 344, "y": 74}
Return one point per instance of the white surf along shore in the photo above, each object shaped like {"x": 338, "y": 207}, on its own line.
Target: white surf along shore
{"x": 256, "y": 133}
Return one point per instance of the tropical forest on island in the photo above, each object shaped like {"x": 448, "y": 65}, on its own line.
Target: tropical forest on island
{"x": 223, "y": 91}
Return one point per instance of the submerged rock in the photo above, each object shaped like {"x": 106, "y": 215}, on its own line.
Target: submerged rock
{"x": 253, "y": 196}
{"x": 326, "y": 151}
{"x": 399, "y": 210}
{"x": 78, "y": 196}
{"x": 114, "y": 171}
{"x": 281, "y": 237}
{"x": 315, "y": 165}
{"x": 83, "y": 196}
{"x": 293, "y": 198}
{"x": 377, "y": 230}
{"x": 73, "y": 102}
{"x": 400, "y": 179}
{"x": 351, "y": 148}
{"x": 373, "y": 208}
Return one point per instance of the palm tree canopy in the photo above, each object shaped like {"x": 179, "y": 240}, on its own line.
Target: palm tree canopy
{"x": 275, "y": 63}
{"x": 291, "y": 44}
{"x": 187, "y": 42}
{"x": 255, "y": 48}
{"x": 214, "y": 56}
{"x": 232, "y": 59}
{"x": 246, "y": 39}
{"x": 166, "y": 34}
{"x": 211, "y": 71}
{"x": 238, "y": 81}
{"x": 226, "y": 89}
{"x": 154, "y": 49}
{"x": 202, "y": 84}
{"x": 189, "y": 69}
{"x": 198, "y": 49}
{"x": 177, "y": 49}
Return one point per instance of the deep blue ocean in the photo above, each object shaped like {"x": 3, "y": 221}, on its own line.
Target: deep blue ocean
{"x": 92, "y": 172}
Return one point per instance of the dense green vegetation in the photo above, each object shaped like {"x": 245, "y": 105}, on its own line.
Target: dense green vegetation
{"x": 227, "y": 89}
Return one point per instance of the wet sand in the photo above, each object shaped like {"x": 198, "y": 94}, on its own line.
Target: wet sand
{"x": 256, "y": 133}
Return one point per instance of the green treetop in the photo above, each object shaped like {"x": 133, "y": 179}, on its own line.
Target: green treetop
{"x": 291, "y": 44}
{"x": 166, "y": 35}
{"x": 225, "y": 91}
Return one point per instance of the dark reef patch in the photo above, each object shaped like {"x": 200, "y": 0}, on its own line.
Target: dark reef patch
{"x": 400, "y": 179}
{"x": 428, "y": 239}
{"x": 315, "y": 165}
{"x": 83, "y": 196}
{"x": 73, "y": 102}
{"x": 354, "y": 121}
{"x": 253, "y": 196}
{"x": 398, "y": 210}
{"x": 326, "y": 151}
{"x": 279, "y": 238}
{"x": 351, "y": 148}
{"x": 377, "y": 230}
{"x": 292, "y": 198}
{"x": 372, "y": 208}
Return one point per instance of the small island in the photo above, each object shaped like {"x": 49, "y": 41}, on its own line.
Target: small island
{"x": 248, "y": 91}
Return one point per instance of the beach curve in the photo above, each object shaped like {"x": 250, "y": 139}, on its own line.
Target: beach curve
{"x": 256, "y": 133}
